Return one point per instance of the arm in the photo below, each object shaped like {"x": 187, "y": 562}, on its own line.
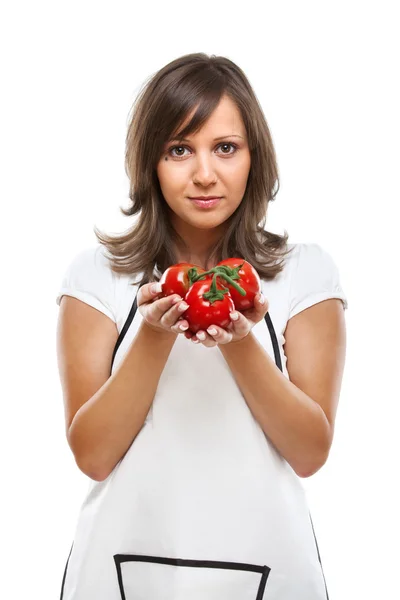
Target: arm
{"x": 105, "y": 413}
{"x": 298, "y": 414}
{"x": 104, "y": 427}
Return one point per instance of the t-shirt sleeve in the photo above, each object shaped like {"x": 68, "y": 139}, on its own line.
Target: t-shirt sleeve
{"x": 89, "y": 278}
{"x": 315, "y": 278}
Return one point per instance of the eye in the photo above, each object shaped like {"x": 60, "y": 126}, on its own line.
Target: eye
{"x": 170, "y": 150}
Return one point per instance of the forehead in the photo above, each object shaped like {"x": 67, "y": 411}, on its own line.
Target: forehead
{"x": 224, "y": 120}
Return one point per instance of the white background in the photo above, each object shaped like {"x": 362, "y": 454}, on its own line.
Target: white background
{"x": 326, "y": 75}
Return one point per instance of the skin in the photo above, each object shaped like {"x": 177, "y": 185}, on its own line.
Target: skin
{"x": 296, "y": 414}
{"x": 205, "y": 167}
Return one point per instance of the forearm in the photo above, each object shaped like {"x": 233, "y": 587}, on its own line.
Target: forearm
{"x": 104, "y": 428}
{"x": 295, "y": 424}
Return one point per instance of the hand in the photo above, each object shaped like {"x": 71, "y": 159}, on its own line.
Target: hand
{"x": 161, "y": 314}
{"x": 237, "y": 330}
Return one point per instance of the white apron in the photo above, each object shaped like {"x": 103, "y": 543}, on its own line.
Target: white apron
{"x": 202, "y": 506}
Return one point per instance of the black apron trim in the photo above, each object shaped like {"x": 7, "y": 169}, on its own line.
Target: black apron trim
{"x": 65, "y": 573}
{"x": 203, "y": 564}
{"x": 124, "y": 330}
{"x": 122, "y": 557}
{"x": 319, "y": 558}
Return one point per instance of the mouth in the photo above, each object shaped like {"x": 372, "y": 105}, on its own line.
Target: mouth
{"x": 206, "y": 202}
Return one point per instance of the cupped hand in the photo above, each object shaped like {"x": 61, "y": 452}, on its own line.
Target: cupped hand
{"x": 236, "y": 330}
{"x": 161, "y": 314}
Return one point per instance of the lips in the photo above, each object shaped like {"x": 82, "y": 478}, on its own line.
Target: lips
{"x": 205, "y": 198}
{"x": 206, "y": 203}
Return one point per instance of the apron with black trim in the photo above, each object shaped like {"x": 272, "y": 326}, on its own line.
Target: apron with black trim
{"x": 202, "y": 506}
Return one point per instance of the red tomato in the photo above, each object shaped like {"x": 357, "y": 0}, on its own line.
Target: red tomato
{"x": 201, "y": 312}
{"x": 175, "y": 279}
{"x": 246, "y": 277}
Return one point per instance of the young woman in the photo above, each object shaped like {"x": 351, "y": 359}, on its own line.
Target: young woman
{"x": 195, "y": 445}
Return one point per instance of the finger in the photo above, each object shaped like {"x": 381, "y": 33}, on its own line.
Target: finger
{"x": 257, "y": 312}
{"x": 148, "y": 292}
{"x": 175, "y": 309}
{"x": 240, "y": 323}
{"x": 262, "y": 303}
{"x": 155, "y": 311}
{"x": 234, "y": 316}
{"x": 205, "y": 339}
{"x": 181, "y": 326}
{"x": 201, "y": 337}
{"x": 220, "y": 335}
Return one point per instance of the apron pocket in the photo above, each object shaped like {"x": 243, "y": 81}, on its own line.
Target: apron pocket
{"x": 143, "y": 577}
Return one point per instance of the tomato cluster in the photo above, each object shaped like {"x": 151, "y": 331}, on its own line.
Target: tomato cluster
{"x": 211, "y": 295}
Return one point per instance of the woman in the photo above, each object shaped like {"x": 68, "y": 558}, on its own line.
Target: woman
{"x": 195, "y": 452}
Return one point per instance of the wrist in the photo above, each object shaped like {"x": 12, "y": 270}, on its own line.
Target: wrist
{"x": 158, "y": 333}
{"x": 242, "y": 342}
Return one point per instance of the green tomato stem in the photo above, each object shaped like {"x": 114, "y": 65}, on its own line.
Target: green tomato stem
{"x": 227, "y": 273}
{"x": 215, "y": 293}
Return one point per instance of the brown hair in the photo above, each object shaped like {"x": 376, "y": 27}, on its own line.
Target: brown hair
{"x": 160, "y": 108}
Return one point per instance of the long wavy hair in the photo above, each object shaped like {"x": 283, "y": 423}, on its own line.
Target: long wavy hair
{"x": 149, "y": 246}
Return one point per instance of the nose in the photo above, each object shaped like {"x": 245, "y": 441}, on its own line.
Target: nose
{"x": 204, "y": 172}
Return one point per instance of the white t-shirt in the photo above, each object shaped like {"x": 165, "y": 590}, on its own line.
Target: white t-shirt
{"x": 202, "y": 506}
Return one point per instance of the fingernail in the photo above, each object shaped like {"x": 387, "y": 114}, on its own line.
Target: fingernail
{"x": 183, "y": 327}
{"x": 156, "y": 288}
{"x": 262, "y": 299}
{"x": 234, "y": 316}
{"x": 212, "y": 331}
{"x": 183, "y": 306}
{"x": 201, "y": 336}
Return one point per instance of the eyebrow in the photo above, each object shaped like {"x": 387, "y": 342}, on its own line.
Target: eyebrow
{"x": 222, "y": 137}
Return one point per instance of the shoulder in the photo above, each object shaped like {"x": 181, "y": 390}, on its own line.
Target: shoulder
{"x": 93, "y": 259}
{"x": 313, "y": 276}
{"x": 88, "y": 276}
{"x": 91, "y": 268}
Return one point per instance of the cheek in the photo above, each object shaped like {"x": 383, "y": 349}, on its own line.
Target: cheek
{"x": 237, "y": 181}
{"x": 239, "y": 170}
{"x": 162, "y": 172}
{"x": 170, "y": 178}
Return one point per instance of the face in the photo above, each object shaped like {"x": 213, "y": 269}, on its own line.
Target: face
{"x": 206, "y": 166}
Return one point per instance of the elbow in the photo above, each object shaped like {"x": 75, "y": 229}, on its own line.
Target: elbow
{"x": 304, "y": 473}
{"x": 88, "y": 469}
{"x": 81, "y": 458}
{"x": 308, "y": 470}
{"x": 95, "y": 470}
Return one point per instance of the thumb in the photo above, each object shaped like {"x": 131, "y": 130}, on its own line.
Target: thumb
{"x": 148, "y": 293}
{"x": 262, "y": 303}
